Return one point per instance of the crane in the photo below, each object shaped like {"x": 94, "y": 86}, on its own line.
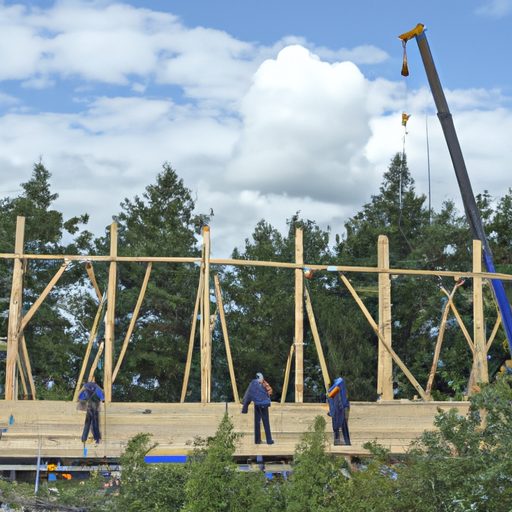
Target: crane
{"x": 452, "y": 141}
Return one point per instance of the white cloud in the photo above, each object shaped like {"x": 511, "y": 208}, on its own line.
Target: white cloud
{"x": 305, "y": 126}
{"x": 259, "y": 131}
{"x": 495, "y": 8}
{"x": 8, "y": 100}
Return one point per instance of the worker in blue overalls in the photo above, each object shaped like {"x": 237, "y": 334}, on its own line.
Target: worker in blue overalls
{"x": 90, "y": 397}
{"x": 339, "y": 408}
{"x": 259, "y": 392}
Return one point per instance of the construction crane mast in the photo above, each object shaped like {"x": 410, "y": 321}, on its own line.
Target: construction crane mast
{"x": 452, "y": 141}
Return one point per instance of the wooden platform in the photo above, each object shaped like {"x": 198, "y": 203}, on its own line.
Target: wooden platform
{"x": 55, "y": 427}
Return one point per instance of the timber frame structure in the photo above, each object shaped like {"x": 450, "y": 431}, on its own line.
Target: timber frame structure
{"x": 18, "y": 367}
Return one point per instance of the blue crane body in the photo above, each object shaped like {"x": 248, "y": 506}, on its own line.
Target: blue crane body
{"x": 468, "y": 198}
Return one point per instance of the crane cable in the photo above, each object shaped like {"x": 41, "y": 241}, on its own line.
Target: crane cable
{"x": 405, "y": 118}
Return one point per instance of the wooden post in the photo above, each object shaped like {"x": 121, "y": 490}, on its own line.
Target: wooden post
{"x": 92, "y": 277}
{"x": 15, "y": 309}
{"x": 96, "y": 361}
{"x": 220, "y": 308}
{"x": 316, "y": 338}
{"x": 21, "y": 373}
{"x": 92, "y": 336}
{"x": 385, "y": 365}
{"x": 28, "y": 366}
{"x": 191, "y": 339}
{"x": 287, "y": 373}
{"x": 480, "y": 370}
{"x": 49, "y": 287}
{"x": 494, "y": 332}
{"x": 299, "y": 317}
{"x": 440, "y": 337}
{"x": 110, "y": 315}
{"x": 375, "y": 328}
{"x": 456, "y": 313}
{"x": 206, "y": 353}
{"x": 133, "y": 319}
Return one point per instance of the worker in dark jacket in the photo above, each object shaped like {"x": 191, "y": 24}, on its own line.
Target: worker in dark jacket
{"x": 257, "y": 393}
{"x": 90, "y": 397}
{"x": 339, "y": 408}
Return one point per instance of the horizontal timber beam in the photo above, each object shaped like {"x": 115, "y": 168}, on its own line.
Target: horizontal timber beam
{"x": 257, "y": 263}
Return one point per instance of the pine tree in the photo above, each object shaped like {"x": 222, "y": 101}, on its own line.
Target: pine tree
{"x": 160, "y": 223}
{"x": 49, "y": 335}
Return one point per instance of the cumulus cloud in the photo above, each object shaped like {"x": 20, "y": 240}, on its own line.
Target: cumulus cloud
{"x": 305, "y": 124}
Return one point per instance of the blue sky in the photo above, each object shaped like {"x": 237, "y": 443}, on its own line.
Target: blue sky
{"x": 264, "y": 108}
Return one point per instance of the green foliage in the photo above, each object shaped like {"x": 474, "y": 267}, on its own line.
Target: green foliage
{"x": 50, "y": 333}
{"x": 160, "y": 223}
{"x": 216, "y": 485}
{"x": 311, "y": 486}
{"x": 372, "y": 488}
{"x": 466, "y": 464}
{"x": 149, "y": 487}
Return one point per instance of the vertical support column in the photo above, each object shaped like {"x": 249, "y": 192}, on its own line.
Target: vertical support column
{"x": 13, "y": 329}
{"x": 110, "y": 315}
{"x": 206, "y": 352}
{"x": 385, "y": 365}
{"x": 480, "y": 370}
{"x": 299, "y": 317}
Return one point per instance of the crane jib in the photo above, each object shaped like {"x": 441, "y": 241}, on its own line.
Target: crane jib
{"x": 468, "y": 198}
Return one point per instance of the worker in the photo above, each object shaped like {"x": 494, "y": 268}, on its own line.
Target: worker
{"x": 339, "y": 408}
{"x": 259, "y": 392}
{"x": 90, "y": 397}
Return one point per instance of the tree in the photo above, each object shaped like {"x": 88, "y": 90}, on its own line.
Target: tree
{"x": 310, "y": 488}
{"x": 50, "y": 334}
{"x": 216, "y": 485}
{"x": 149, "y": 487}
{"x": 160, "y": 223}
{"x": 260, "y": 305}
{"x": 466, "y": 463}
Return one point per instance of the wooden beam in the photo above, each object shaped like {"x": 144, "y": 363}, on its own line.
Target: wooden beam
{"x": 191, "y": 339}
{"x": 440, "y": 338}
{"x": 206, "y": 354}
{"x": 110, "y": 315}
{"x": 375, "y": 327}
{"x": 92, "y": 336}
{"x": 21, "y": 374}
{"x": 133, "y": 319}
{"x": 28, "y": 366}
{"x": 456, "y": 313}
{"x": 481, "y": 373}
{"x": 108, "y": 259}
{"x": 287, "y": 373}
{"x": 33, "y": 309}
{"x": 299, "y": 317}
{"x": 259, "y": 263}
{"x": 92, "y": 277}
{"x": 494, "y": 332}
{"x": 15, "y": 308}
{"x": 96, "y": 361}
{"x": 385, "y": 362}
{"x": 316, "y": 338}
{"x": 220, "y": 308}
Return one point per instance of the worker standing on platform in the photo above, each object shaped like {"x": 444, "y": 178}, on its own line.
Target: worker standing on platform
{"x": 339, "y": 408}
{"x": 259, "y": 392}
{"x": 90, "y": 398}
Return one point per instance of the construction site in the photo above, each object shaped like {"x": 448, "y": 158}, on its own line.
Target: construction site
{"x": 35, "y": 433}
{"x": 44, "y": 430}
